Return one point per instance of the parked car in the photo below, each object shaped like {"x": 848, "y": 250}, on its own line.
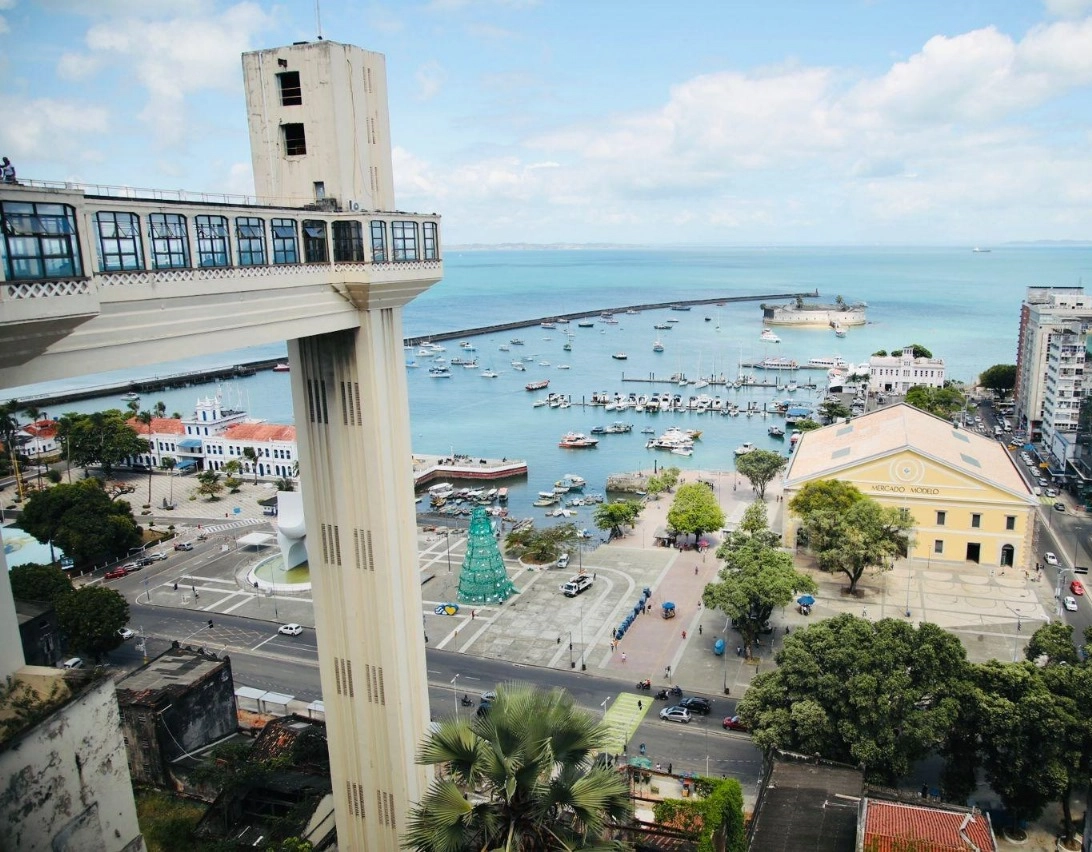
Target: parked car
{"x": 675, "y": 714}
{"x": 125, "y": 633}
{"x": 563, "y": 561}
{"x": 72, "y": 663}
{"x": 1050, "y": 558}
{"x": 156, "y": 557}
{"x": 733, "y": 723}
{"x": 290, "y": 629}
{"x": 1059, "y": 507}
{"x": 183, "y": 545}
{"x": 1077, "y": 587}
{"x": 694, "y": 704}
{"x": 1070, "y": 603}
{"x": 117, "y": 573}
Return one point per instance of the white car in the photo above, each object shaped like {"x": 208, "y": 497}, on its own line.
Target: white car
{"x": 1050, "y": 558}
{"x": 290, "y": 629}
{"x": 125, "y": 633}
{"x": 1070, "y": 603}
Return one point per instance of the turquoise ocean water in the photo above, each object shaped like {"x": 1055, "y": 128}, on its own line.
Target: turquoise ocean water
{"x": 963, "y": 306}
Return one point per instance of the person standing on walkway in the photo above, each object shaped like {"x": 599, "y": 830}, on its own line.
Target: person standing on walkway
{"x": 623, "y": 657}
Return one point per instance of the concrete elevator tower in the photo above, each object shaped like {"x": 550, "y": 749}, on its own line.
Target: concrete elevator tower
{"x": 320, "y": 136}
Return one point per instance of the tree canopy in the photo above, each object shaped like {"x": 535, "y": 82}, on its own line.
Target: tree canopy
{"x": 695, "y": 509}
{"x": 833, "y": 409}
{"x": 615, "y": 516}
{"x": 83, "y": 521}
{"x": 824, "y": 495}
{"x": 541, "y": 545}
{"x": 881, "y": 694}
{"x": 760, "y": 467}
{"x": 1000, "y": 378}
{"x": 943, "y": 402}
{"x": 39, "y": 582}
{"x": 519, "y": 777}
{"x": 91, "y": 617}
{"x": 756, "y": 578}
{"x": 209, "y": 484}
{"x": 103, "y": 438}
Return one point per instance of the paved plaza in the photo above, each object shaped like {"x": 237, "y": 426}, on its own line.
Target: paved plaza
{"x": 993, "y": 612}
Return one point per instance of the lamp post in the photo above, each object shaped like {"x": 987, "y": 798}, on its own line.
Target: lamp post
{"x": 606, "y": 701}
{"x": 455, "y": 694}
{"x": 572, "y": 665}
{"x": 447, "y": 543}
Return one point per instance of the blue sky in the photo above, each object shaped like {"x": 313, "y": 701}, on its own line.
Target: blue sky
{"x": 618, "y": 121}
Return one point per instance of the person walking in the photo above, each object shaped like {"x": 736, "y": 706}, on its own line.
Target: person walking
{"x": 623, "y": 657}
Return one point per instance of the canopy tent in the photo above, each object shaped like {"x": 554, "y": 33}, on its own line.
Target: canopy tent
{"x": 256, "y": 540}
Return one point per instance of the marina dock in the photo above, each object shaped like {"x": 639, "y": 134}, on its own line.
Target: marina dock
{"x": 427, "y": 468}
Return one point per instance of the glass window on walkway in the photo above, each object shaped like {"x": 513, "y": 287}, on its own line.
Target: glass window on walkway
{"x": 250, "y": 232}
{"x": 212, "y": 241}
{"x": 404, "y": 240}
{"x": 431, "y": 240}
{"x": 285, "y": 242}
{"x": 119, "y": 241}
{"x": 40, "y": 240}
{"x": 379, "y": 241}
{"x": 348, "y": 242}
{"x": 170, "y": 242}
{"x": 314, "y": 241}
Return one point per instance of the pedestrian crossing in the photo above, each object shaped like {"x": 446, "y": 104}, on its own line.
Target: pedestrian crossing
{"x": 622, "y": 718}
{"x": 231, "y": 525}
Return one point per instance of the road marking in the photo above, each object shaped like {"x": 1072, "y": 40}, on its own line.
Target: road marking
{"x": 270, "y": 639}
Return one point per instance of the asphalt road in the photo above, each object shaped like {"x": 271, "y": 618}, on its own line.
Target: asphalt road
{"x": 262, "y": 658}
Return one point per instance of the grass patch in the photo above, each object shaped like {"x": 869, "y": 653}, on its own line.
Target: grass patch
{"x": 167, "y": 822}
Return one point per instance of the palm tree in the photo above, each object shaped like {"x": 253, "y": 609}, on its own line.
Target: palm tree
{"x": 160, "y": 409}
{"x": 35, "y": 414}
{"x": 9, "y": 428}
{"x": 519, "y": 777}
{"x": 146, "y": 418}
{"x": 169, "y": 463}
{"x": 251, "y": 455}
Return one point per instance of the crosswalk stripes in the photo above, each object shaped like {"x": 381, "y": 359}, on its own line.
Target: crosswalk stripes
{"x": 623, "y": 718}
{"x": 230, "y": 525}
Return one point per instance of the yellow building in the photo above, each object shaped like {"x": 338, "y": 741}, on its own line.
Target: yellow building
{"x": 967, "y": 498}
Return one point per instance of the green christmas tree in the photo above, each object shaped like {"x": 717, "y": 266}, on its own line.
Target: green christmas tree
{"x": 483, "y": 578}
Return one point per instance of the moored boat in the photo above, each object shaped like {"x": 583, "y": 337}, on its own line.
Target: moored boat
{"x": 540, "y": 384}
{"x": 619, "y": 356}
{"x": 776, "y": 432}
{"x": 578, "y": 441}
{"x": 657, "y": 346}
{"x": 768, "y": 336}
{"x": 745, "y": 448}
{"x": 281, "y": 368}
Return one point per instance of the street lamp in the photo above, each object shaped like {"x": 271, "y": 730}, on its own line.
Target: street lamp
{"x": 606, "y": 701}
{"x": 455, "y": 694}
{"x": 572, "y": 665}
{"x": 447, "y": 543}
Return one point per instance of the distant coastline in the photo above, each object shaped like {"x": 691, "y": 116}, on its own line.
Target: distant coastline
{"x": 757, "y": 246}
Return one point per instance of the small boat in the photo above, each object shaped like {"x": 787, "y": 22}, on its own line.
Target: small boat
{"x": 547, "y": 324}
{"x": 575, "y": 482}
{"x": 439, "y": 372}
{"x": 131, "y": 396}
{"x": 657, "y": 346}
{"x": 578, "y": 441}
{"x": 281, "y": 367}
{"x": 599, "y": 430}
{"x": 977, "y": 250}
{"x": 776, "y": 432}
{"x": 515, "y": 341}
{"x": 648, "y": 430}
{"x": 568, "y": 347}
{"x": 662, "y": 326}
{"x": 619, "y": 428}
{"x": 540, "y": 384}
{"x": 563, "y": 366}
{"x": 518, "y": 365}
{"x": 839, "y": 331}
{"x": 488, "y": 374}
{"x": 546, "y": 500}
{"x": 768, "y": 336}
{"x": 504, "y": 347}
{"x": 619, "y": 356}
{"x": 744, "y": 448}
{"x": 682, "y": 451}
{"x": 585, "y": 324}
{"x": 502, "y": 495}
{"x": 411, "y": 363}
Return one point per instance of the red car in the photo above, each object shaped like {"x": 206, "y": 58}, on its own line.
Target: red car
{"x": 733, "y": 723}
{"x": 116, "y": 574}
{"x": 1077, "y": 587}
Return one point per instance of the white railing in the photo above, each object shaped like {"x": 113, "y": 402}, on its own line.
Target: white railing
{"x": 139, "y": 193}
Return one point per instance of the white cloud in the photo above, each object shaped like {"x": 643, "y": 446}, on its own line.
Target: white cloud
{"x": 1068, "y": 8}
{"x": 33, "y": 127}
{"x": 172, "y": 58}
{"x": 430, "y": 79}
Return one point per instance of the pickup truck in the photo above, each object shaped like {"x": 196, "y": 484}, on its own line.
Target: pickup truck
{"x": 576, "y": 585}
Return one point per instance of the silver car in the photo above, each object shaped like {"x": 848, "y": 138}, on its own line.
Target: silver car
{"x": 675, "y": 714}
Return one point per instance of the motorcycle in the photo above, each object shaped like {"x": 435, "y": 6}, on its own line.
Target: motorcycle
{"x": 661, "y": 695}
{"x": 675, "y": 691}
{"x": 645, "y": 684}
{"x": 465, "y": 701}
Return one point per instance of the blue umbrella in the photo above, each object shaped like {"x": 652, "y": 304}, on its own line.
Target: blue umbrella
{"x": 805, "y": 600}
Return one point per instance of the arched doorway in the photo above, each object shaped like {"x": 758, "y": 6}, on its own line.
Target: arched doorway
{"x": 1007, "y": 554}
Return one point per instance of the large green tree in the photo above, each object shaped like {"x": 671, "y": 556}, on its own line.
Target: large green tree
{"x": 1000, "y": 378}
{"x": 824, "y": 495}
{"x": 541, "y": 545}
{"x": 881, "y": 694}
{"x": 615, "y": 516}
{"x": 39, "y": 583}
{"x": 91, "y": 617}
{"x": 863, "y": 535}
{"x": 103, "y": 438}
{"x": 943, "y": 402}
{"x": 209, "y": 484}
{"x": 760, "y": 467}
{"x": 520, "y": 777}
{"x": 83, "y": 521}
{"x": 695, "y": 509}
{"x": 756, "y": 578}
